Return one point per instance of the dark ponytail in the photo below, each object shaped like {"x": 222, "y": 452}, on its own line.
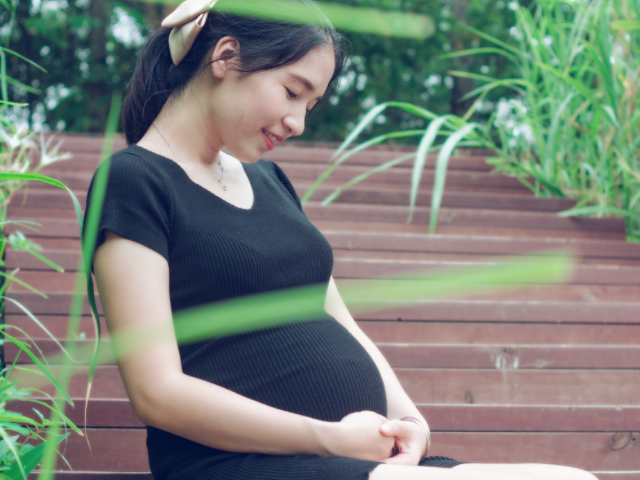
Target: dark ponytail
{"x": 264, "y": 45}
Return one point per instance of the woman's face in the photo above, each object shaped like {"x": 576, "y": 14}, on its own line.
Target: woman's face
{"x": 276, "y": 100}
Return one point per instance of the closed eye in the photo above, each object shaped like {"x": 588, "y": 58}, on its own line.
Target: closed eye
{"x": 293, "y": 96}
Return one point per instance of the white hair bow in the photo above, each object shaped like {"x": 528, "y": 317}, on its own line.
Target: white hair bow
{"x": 187, "y": 20}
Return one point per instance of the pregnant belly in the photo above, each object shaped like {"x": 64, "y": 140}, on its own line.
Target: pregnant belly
{"x": 314, "y": 368}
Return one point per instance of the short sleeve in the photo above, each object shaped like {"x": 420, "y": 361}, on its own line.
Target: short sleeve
{"x": 138, "y": 203}
{"x": 287, "y": 183}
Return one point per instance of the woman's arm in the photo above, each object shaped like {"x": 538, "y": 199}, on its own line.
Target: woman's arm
{"x": 133, "y": 281}
{"x": 398, "y": 402}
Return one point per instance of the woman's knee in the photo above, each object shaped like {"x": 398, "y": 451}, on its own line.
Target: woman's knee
{"x": 402, "y": 472}
{"x": 532, "y": 471}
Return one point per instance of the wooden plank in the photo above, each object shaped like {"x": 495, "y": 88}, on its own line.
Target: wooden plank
{"x": 103, "y": 413}
{"x": 112, "y": 450}
{"x": 434, "y": 333}
{"x": 516, "y": 311}
{"x": 467, "y": 232}
{"x": 117, "y": 413}
{"x": 631, "y": 475}
{"x": 404, "y": 258}
{"x": 82, "y": 142}
{"x": 346, "y": 236}
{"x": 462, "y": 217}
{"x": 123, "y": 450}
{"x": 292, "y": 152}
{"x": 68, "y": 258}
{"x": 514, "y": 334}
{"x": 52, "y": 226}
{"x": 376, "y": 263}
{"x": 450, "y": 217}
{"x": 512, "y": 357}
{"x": 438, "y": 385}
{"x": 373, "y": 265}
{"x": 590, "y": 283}
{"x": 345, "y": 267}
{"x": 454, "y": 197}
{"x": 302, "y": 171}
{"x": 423, "y": 310}
{"x": 521, "y": 387}
{"x": 530, "y": 418}
{"x": 428, "y": 355}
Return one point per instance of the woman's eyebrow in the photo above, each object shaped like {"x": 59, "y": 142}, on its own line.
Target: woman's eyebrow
{"x": 308, "y": 85}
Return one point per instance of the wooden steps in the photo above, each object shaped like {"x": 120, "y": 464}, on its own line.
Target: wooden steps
{"x": 544, "y": 374}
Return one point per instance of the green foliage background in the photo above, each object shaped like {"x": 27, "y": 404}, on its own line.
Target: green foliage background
{"x": 86, "y": 63}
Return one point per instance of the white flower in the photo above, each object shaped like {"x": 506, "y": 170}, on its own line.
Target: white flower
{"x": 12, "y": 141}
{"x": 527, "y": 132}
{"x": 504, "y": 109}
{"x": 50, "y": 156}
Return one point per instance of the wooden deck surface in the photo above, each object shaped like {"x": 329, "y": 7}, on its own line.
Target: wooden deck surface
{"x": 545, "y": 374}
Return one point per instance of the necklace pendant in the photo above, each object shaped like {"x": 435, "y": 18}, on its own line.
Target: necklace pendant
{"x": 224, "y": 187}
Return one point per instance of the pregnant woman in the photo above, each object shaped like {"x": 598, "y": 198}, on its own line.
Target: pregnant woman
{"x": 184, "y": 224}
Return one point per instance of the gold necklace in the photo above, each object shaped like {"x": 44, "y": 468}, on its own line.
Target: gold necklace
{"x": 197, "y": 164}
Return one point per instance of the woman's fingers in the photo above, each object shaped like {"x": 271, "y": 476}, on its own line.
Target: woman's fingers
{"x": 401, "y": 459}
{"x": 394, "y": 428}
{"x": 409, "y": 442}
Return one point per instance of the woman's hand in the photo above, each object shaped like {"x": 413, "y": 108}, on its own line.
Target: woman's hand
{"x": 358, "y": 436}
{"x": 410, "y": 442}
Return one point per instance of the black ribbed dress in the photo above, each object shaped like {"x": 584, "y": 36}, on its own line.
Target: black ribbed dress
{"x": 217, "y": 251}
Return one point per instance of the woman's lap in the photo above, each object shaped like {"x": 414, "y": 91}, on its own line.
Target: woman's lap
{"x": 277, "y": 467}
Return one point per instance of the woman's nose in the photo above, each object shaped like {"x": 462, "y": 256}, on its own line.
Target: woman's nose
{"x": 295, "y": 123}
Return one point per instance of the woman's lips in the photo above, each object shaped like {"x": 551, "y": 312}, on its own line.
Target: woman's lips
{"x": 270, "y": 144}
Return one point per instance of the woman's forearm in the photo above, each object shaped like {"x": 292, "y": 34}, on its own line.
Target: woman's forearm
{"x": 219, "y": 418}
{"x": 398, "y": 402}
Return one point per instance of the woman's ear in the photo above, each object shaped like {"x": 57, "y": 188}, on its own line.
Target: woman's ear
{"x": 224, "y": 51}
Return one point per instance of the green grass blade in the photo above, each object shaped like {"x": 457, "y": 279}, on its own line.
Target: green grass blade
{"x": 21, "y": 470}
{"x": 23, "y": 58}
{"x": 595, "y": 210}
{"x": 421, "y": 158}
{"x": 360, "y": 126}
{"x": 32, "y": 458}
{"x": 626, "y": 25}
{"x": 491, "y": 39}
{"x": 47, "y": 373}
{"x": 363, "y": 146}
{"x": 475, "y": 51}
{"x": 441, "y": 171}
{"x": 350, "y": 18}
{"x": 363, "y": 176}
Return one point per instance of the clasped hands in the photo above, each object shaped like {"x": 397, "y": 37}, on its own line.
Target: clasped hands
{"x": 369, "y": 436}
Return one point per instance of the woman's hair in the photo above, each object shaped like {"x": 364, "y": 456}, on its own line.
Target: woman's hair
{"x": 264, "y": 45}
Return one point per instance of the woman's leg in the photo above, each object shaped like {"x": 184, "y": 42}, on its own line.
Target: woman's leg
{"x": 481, "y": 471}
{"x": 402, "y": 472}
{"x": 536, "y": 471}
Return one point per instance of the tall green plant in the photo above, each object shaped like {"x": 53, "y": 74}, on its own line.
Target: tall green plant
{"x": 572, "y": 126}
{"x": 18, "y": 149}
